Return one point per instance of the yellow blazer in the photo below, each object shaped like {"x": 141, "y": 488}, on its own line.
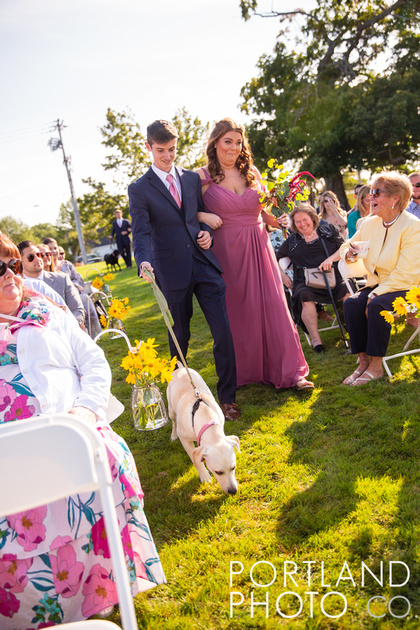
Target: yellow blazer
{"x": 393, "y": 263}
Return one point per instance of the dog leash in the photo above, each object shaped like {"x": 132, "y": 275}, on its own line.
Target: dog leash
{"x": 167, "y": 316}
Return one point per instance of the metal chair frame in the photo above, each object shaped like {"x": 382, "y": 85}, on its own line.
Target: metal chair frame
{"x": 354, "y": 271}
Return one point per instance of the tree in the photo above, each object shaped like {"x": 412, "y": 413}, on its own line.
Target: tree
{"x": 43, "y": 230}
{"x": 97, "y": 208}
{"x": 130, "y": 159}
{"x": 15, "y": 229}
{"x": 191, "y": 142}
{"x": 322, "y": 103}
{"x": 129, "y": 156}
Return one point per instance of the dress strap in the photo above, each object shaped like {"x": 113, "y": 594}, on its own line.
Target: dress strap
{"x": 207, "y": 180}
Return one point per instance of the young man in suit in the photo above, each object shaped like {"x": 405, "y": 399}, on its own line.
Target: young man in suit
{"x": 169, "y": 241}
{"x": 121, "y": 229}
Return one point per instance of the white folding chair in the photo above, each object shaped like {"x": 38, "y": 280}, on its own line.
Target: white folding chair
{"x": 284, "y": 264}
{"x": 53, "y": 457}
{"x": 357, "y": 270}
{"x": 353, "y": 271}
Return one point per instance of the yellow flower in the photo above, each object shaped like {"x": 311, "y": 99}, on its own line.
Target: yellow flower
{"x": 400, "y": 306}
{"x": 107, "y": 277}
{"x": 103, "y": 321}
{"x": 413, "y": 296}
{"x": 271, "y": 163}
{"x": 145, "y": 366}
{"x": 131, "y": 379}
{"x": 97, "y": 283}
{"x": 388, "y": 316}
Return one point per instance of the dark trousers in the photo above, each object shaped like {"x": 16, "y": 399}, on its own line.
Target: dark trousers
{"x": 369, "y": 334}
{"x": 209, "y": 288}
{"x": 124, "y": 247}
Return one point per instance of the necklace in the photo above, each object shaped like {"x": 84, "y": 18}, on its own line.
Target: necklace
{"x": 387, "y": 225}
{"x": 312, "y": 237}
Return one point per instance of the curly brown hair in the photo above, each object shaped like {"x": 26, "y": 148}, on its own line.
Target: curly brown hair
{"x": 244, "y": 163}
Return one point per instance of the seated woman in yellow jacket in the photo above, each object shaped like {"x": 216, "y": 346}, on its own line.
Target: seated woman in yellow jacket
{"x": 393, "y": 266}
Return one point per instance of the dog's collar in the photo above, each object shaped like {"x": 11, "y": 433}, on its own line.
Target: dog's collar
{"x": 195, "y": 408}
{"x": 204, "y": 428}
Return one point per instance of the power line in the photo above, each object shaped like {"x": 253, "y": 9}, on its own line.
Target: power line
{"x": 23, "y": 134}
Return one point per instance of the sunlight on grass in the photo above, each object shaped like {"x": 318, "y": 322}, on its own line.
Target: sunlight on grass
{"x": 330, "y": 476}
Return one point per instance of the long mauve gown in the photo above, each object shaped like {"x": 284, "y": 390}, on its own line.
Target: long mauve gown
{"x": 266, "y": 341}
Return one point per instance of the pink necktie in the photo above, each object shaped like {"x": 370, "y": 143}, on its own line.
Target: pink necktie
{"x": 173, "y": 190}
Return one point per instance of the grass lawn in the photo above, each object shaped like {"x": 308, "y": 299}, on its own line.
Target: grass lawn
{"x": 328, "y": 503}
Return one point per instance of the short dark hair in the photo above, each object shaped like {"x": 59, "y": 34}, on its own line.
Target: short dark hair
{"x": 24, "y": 244}
{"x": 160, "y": 132}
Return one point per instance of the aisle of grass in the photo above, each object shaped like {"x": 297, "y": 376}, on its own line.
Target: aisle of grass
{"x": 332, "y": 476}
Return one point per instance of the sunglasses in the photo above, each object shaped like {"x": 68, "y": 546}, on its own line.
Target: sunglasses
{"x": 45, "y": 254}
{"x": 32, "y": 257}
{"x": 14, "y": 264}
{"x": 376, "y": 192}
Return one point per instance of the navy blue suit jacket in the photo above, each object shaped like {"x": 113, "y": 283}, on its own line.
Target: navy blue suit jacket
{"x": 165, "y": 235}
{"x": 121, "y": 239}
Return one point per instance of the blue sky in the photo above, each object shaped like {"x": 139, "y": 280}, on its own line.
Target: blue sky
{"x": 72, "y": 59}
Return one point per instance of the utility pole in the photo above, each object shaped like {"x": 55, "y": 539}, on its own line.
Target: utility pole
{"x": 54, "y": 144}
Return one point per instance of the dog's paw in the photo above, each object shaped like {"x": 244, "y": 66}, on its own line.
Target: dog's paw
{"x": 205, "y": 476}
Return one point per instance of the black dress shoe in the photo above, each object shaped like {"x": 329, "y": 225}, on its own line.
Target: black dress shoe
{"x": 230, "y": 411}
{"x": 319, "y": 348}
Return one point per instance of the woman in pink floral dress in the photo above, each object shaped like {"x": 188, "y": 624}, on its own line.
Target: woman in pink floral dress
{"x": 55, "y": 564}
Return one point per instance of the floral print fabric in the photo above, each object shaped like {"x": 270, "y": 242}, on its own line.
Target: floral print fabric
{"x": 55, "y": 564}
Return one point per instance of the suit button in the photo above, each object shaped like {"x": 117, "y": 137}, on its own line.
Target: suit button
{"x": 189, "y": 245}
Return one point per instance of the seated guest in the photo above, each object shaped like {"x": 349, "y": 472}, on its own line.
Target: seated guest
{"x": 60, "y": 282}
{"x": 39, "y": 285}
{"x": 360, "y": 211}
{"x": 330, "y": 211}
{"x": 47, "y": 259}
{"x": 414, "y": 205}
{"x": 393, "y": 266}
{"x": 305, "y": 248}
{"x": 55, "y": 564}
{"x": 60, "y": 264}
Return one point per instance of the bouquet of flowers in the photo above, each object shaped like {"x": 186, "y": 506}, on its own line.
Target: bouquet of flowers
{"x": 119, "y": 308}
{"x": 144, "y": 365}
{"x": 408, "y": 307}
{"x": 279, "y": 193}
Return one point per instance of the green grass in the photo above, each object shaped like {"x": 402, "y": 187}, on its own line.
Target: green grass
{"x": 331, "y": 476}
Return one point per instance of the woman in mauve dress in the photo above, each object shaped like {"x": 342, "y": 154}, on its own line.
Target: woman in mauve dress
{"x": 266, "y": 341}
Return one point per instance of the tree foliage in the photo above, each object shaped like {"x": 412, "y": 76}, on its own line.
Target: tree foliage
{"x": 15, "y": 229}
{"x": 129, "y": 158}
{"x": 97, "y": 208}
{"x": 323, "y": 104}
{"x": 192, "y": 139}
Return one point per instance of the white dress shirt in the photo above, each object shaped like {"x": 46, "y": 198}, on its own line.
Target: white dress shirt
{"x": 163, "y": 175}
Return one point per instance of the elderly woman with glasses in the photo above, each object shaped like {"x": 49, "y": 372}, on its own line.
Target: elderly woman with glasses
{"x": 55, "y": 563}
{"x": 391, "y": 237}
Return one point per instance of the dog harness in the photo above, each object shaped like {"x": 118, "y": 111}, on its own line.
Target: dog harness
{"x": 195, "y": 408}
